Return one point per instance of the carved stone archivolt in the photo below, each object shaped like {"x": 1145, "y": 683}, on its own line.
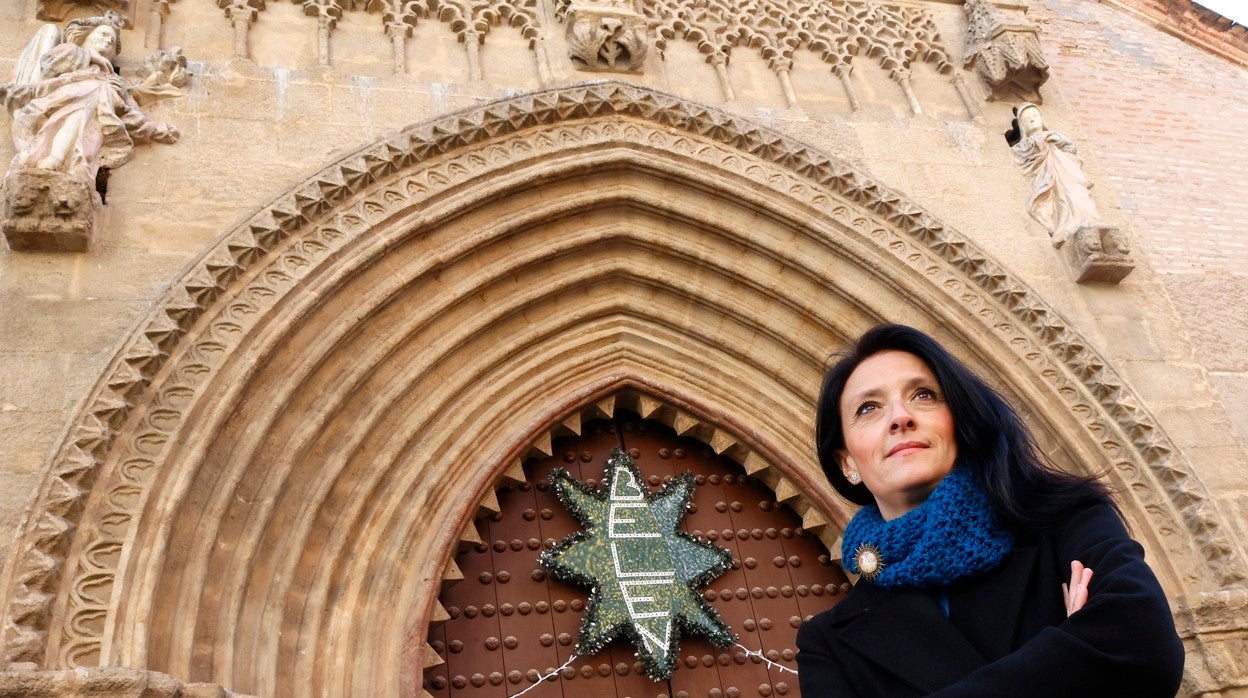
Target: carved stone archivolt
{"x": 378, "y": 347}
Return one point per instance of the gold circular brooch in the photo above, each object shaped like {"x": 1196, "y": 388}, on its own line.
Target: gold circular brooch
{"x": 869, "y": 561}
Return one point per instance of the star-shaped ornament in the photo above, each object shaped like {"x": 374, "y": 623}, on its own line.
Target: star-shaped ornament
{"x": 643, "y": 572}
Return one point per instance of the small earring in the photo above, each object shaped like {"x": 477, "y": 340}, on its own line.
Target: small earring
{"x": 853, "y": 478}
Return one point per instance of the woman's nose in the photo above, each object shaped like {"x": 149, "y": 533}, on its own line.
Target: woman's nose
{"x": 899, "y": 417}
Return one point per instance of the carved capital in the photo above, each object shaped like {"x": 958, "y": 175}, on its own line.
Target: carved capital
{"x": 606, "y": 36}
{"x": 245, "y": 10}
{"x": 327, "y": 12}
{"x": 48, "y": 211}
{"x": 1005, "y": 51}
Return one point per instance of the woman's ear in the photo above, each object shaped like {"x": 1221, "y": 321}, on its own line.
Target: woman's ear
{"x": 849, "y": 468}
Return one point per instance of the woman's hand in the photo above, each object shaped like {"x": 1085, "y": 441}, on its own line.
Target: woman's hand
{"x": 1076, "y": 593}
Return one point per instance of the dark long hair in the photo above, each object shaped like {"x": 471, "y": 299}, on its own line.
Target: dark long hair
{"x": 1027, "y": 492}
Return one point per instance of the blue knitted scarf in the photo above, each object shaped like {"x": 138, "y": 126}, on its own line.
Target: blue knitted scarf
{"x": 954, "y": 534}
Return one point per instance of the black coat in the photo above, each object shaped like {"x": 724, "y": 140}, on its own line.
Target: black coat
{"x": 1007, "y": 633}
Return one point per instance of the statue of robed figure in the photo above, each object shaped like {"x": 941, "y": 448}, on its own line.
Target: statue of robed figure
{"x": 74, "y": 119}
{"x": 1061, "y": 199}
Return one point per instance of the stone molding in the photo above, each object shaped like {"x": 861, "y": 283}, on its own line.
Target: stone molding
{"x": 106, "y": 682}
{"x": 1211, "y": 625}
{"x": 65, "y": 567}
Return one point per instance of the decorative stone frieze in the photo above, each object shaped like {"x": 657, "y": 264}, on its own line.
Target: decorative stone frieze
{"x": 1061, "y": 202}
{"x": 74, "y": 120}
{"x": 470, "y": 21}
{"x": 63, "y": 577}
{"x": 605, "y": 35}
{"x": 895, "y": 36}
{"x": 1004, "y": 49}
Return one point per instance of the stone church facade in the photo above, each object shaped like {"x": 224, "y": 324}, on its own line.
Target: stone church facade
{"x": 263, "y": 398}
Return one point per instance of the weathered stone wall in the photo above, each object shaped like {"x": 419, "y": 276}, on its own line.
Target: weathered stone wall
{"x": 1163, "y": 117}
{"x": 1153, "y": 117}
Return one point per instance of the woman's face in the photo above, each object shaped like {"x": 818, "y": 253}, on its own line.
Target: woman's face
{"x": 1030, "y": 121}
{"x": 103, "y": 39}
{"x": 898, "y": 430}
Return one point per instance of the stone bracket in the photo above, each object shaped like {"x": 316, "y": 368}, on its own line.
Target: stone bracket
{"x": 48, "y": 211}
{"x": 1097, "y": 253}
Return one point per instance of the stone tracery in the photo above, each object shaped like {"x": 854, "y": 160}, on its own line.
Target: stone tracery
{"x": 613, "y": 36}
{"x": 894, "y": 36}
{"x": 142, "y": 403}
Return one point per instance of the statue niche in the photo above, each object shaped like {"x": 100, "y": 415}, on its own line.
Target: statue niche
{"x": 1061, "y": 202}
{"x": 74, "y": 119}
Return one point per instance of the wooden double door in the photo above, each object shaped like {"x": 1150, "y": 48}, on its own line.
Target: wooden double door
{"x": 512, "y": 623}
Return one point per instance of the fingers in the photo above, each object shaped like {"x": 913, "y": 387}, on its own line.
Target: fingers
{"x": 1075, "y": 594}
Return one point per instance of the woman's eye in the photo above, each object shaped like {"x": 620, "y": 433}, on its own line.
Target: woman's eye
{"x": 865, "y": 408}
{"x": 925, "y": 394}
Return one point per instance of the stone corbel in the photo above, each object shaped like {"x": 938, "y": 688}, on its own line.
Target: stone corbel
{"x": 1097, "y": 253}
{"x": 1004, "y": 50}
{"x": 606, "y": 36}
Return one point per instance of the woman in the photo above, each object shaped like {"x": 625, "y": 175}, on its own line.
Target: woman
{"x": 963, "y": 544}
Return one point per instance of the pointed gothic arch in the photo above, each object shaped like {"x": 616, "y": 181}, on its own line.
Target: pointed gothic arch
{"x": 266, "y": 486}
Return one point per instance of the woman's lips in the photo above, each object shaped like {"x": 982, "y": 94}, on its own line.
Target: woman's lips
{"x": 905, "y": 446}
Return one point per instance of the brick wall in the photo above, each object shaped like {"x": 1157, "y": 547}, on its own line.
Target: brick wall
{"x": 1165, "y": 120}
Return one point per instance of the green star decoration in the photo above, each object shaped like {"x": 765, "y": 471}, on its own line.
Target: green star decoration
{"x": 642, "y": 572}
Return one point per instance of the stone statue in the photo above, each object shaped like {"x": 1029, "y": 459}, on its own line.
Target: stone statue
{"x": 72, "y": 116}
{"x": 1060, "y": 200}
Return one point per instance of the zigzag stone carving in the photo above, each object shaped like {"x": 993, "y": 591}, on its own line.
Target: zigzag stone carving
{"x": 150, "y": 384}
